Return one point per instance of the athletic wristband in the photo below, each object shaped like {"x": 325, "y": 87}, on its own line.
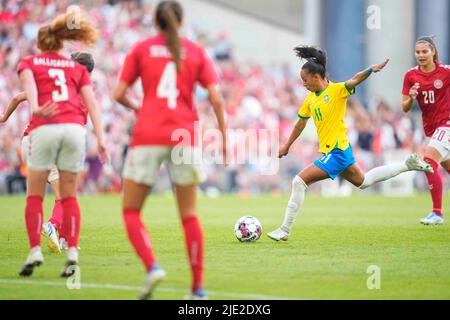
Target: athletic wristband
{"x": 369, "y": 71}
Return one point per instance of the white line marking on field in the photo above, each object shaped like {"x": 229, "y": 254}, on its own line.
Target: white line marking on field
{"x": 133, "y": 288}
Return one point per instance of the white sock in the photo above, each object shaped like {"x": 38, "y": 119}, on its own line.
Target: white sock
{"x": 295, "y": 203}
{"x": 35, "y": 249}
{"x": 72, "y": 254}
{"x": 382, "y": 173}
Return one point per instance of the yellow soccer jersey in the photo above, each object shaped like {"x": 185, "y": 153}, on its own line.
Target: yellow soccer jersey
{"x": 328, "y": 110}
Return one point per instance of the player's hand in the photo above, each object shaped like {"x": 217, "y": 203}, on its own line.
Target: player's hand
{"x": 379, "y": 67}
{"x": 49, "y": 109}
{"x": 103, "y": 153}
{"x": 284, "y": 150}
{"x": 414, "y": 91}
{"x": 2, "y": 119}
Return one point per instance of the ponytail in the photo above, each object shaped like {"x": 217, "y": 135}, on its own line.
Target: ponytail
{"x": 169, "y": 15}
{"x": 316, "y": 59}
{"x": 70, "y": 26}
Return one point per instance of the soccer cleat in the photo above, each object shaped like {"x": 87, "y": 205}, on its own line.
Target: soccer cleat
{"x": 153, "y": 278}
{"x": 278, "y": 235}
{"x": 415, "y": 163}
{"x": 69, "y": 269}
{"x": 198, "y": 294}
{"x": 72, "y": 262}
{"x": 34, "y": 259}
{"x": 432, "y": 219}
{"x": 49, "y": 231}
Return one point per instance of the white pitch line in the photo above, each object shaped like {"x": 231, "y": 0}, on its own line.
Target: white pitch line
{"x": 133, "y": 288}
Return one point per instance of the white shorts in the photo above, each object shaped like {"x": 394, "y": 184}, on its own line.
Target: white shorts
{"x": 54, "y": 173}
{"x": 61, "y": 146}
{"x": 441, "y": 142}
{"x": 143, "y": 163}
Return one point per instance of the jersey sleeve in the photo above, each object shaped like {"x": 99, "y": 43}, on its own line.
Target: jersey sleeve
{"x": 23, "y": 64}
{"x": 343, "y": 90}
{"x": 207, "y": 73}
{"x": 130, "y": 68}
{"x": 406, "y": 84}
{"x": 305, "y": 109}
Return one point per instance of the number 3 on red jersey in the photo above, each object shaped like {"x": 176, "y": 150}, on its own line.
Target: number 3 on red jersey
{"x": 60, "y": 81}
{"x": 167, "y": 87}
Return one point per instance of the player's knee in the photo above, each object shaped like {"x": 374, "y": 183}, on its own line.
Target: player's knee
{"x": 298, "y": 184}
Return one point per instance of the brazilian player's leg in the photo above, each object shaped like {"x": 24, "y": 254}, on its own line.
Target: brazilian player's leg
{"x": 308, "y": 176}
{"x": 354, "y": 175}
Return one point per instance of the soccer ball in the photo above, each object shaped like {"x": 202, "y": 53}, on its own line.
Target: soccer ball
{"x": 248, "y": 229}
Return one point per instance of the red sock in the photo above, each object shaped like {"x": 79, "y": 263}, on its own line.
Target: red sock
{"x": 138, "y": 236}
{"x": 57, "y": 217}
{"x": 34, "y": 217}
{"x": 71, "y": 220}
{"x": 193, "y": 235}
{"x": 435, "y": 185}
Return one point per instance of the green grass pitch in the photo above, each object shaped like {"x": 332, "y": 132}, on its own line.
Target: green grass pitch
{"x": 333, "y": 243}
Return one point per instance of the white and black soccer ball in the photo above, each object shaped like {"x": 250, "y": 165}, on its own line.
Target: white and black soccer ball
{"x": 248, "y": 229}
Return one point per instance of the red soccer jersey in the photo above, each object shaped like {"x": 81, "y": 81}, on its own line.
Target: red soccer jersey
{"x": 31, "y": 125}
{"x": 433, "y": 97}
{"x": 168, "y": 94}
{"x": 58, "y": 79}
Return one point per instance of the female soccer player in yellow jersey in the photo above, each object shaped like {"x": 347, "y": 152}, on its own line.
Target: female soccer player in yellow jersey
{"x": 326, "y": 104}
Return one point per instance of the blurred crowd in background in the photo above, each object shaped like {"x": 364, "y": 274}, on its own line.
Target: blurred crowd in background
{"x": 256, "y": 97}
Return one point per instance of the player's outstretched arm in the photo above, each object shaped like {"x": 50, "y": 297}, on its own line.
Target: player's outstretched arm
{"x": 94, "y": 113}
{"x": 216, "y": 99}
{"x": 12, "y": 106}
{"x": 363, "y": 75}
{"x": 119, "y": 95}
{"x": 298, "y": 128}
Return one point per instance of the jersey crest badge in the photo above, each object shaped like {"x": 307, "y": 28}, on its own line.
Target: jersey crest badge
{"x": 438, "y": 84}
{"x": 326, "y": 98}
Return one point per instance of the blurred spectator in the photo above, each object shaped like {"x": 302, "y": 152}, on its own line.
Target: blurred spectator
{"x": 257, "y": 97}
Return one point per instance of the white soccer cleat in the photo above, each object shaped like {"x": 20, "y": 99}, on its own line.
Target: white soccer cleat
{"x": 49, "y": 231}
{"x": 415, "y": 163}
{"x": 152, "y": 279}
{"x": 34, "y": 259}
{"x": 278, "y": 235}
{"x": 432, "y": 219}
